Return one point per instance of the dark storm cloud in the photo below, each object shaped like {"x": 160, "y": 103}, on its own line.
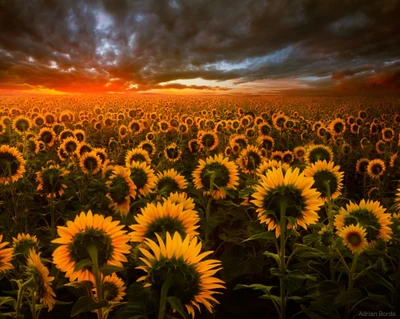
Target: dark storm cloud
{"x": 84, "y": 45}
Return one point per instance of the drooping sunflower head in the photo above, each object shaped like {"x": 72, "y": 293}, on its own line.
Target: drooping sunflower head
{"x": 354, "y": 237}
{"x": 90, "y": 163}
{"x": 22, "y": 245}
{"x": 137, "y": 155}
{"x": 12, "y": 164}
{"x": 179, "y": 261}
{"x": 51, "y": 180}
{"x": 6, "y": 255}
{"x": 120, "y": 190}
{"x": 165, "y": 217}
{"x": 41, "y": 279}
{"x": 327, "y": 236}
{"x": 214, "y": 175}
{"x": 113, "y": 288}
{"x": 376, "y": 168}
{"x": 328, "y": 180}
{"x": 169, "y": 181}
{"x": 368, "y": 214}
{"x": 291, "y": 191}
{"x": 89, "y": 231}
{"x": 318, "y": 153}
{"x": 249, "y": 159}
{"x": 143, "y": 177}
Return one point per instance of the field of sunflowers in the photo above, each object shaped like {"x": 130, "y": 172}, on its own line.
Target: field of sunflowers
{"x": 199, "y": 207}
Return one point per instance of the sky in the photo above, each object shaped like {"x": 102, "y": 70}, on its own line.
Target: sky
{"x": 273, "y": 47}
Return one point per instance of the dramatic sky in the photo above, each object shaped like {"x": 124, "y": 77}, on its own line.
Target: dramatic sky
{"x": 200, "y": 46}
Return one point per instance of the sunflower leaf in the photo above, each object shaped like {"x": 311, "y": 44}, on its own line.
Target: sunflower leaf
{"x": 85, "y": 304}
{"x": 272, "y": 255}
{"x": 82, "y": 264}
{"x": 177, "y": 305}
{"x": 109, "y": 269}
{"x": 264, "y": 235}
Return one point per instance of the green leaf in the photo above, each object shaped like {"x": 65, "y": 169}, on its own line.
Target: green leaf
{"x": 310, "y": 239}
{"x": 276, "y": 272}
{"x": 265, "y": 289}
{"x": 7, "y": 300}
{"x": 110, "y": 269}
{"x": 379, "y": 279}
{"x": 347, "y": 297}
{"x": 310, "y": 314}
{"x": 272, "y": 255}
{"x": 294, "y": 280}
{"x": 85, "y": 304}
{"x": 177, "y": 305}
{"x": 327, "y": 292}
{"x": 265, "y": 235}
{"x": 85, "y": 284}
{"x": 246, "y": 192}
{"x": 82, "y": 264}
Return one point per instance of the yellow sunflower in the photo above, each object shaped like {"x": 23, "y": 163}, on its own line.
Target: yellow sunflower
{"x": 266, "y": 142}
{"x": 83, "y": 148}
{"x": 137, "y": 155}
{"x": 194, "y": 146}
{"x": 120, "y": 190}
{"x": 165, "y": 217}
{"x": 143, "y": 177}
{"x": 291, "y": 189}
{"x": 387, "y": 134}
{"x": 90, "y": 163}
{"x": 370, "y": 215}
{"x": 169, "y": 181}
{"x": 51, "y": 180}
{"x": 376, "y": 168}
{"x": 88, "y": 230}
{"x": 12, "y": 164}
{"x": 22, "y": 244}
{"x": 223, "y": 172}
{"x": 354, "y": 237}
{"x": 269, "y": 164}
{"x": 113, "y": 288}
{"x": 180, "y": 261}
{"x": 362, "y": 165}
{"x": 40, "y": 274}
{"x": 148, "y": 146}
{"x": 337, "y": 126}
{"x": 249, "y": 159}
{"x": 208, "y": 140}
{"x": 318, "y": 153}
{"x": 47, "y": 136}
{"x": 173, "y": 153}
{"x": 6, "y": 255}
{"x": 325, "y": 173}
{"x": 21, "y": 124}
{"x": 299, "y": 152}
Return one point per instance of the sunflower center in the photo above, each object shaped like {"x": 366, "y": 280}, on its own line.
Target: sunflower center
{"x": 90, "y": 163}
{"x": 71, "y": 147}
{"x": 185, "y": 281}
{"x": 22, "y": 125}
{"x": 119, "y": 190}
{"x": 110, "y": 291}
{"x": 165, "y": 224}
{"x": 208, "y": 140}
{"x": 220, "y": 172}
{"x": 139, "y": 177}
{"x": 9, "y": 164}
{"x": 46, "y": 137}
{"x": 338, "y": 127}
{"x": 91, "y": 237}
{"x": 376, "y": 169}
{"x": 354, "y": 239}
{"x": 288, "y": 196}
{"x": 321, "y": 181}
{"x": 367, "y": 220}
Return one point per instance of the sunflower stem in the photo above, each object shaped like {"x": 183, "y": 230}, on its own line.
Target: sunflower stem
{"x": 282, "y": 265}
{"x": 33, "y": 306}
{"x": 163, "y": 298}
{"x": 208, "y": 208}
{"x": 351, "y": 281}
{"x": 93, "y": 252}
{"x": 330, "y": 227}
{"x": 20, "y": 296}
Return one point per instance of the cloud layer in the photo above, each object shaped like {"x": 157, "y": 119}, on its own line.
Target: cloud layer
{"x": 91, "y": 46}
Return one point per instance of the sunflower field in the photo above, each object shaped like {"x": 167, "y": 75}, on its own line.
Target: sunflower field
{"x": 199, "y": 207}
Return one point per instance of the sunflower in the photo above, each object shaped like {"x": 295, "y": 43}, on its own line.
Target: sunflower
{"x": 279, "y": 121}
{"x": 85, "y": 231}
{"x": 102, "y": 154}
{"x": 194, "y": 146}
{"x": 6, "y": 255}
{"x": 47, "y": 136}
{"x": 123, "y": 131}
{"x": 376, "y": 168}
{"x": 51, "y": 180}
{"x": 165, "y": 217}
{"x": 70, "y": 145}
{"x": 173, "y": 153}
{"x": 394, "y": 161}
{"x": 288, "y": 157}
{"x": 318, "y": 153}
{"x": 223, "y": 172}
{"x": 135, "y": 127}
{"x": 113, "y": 288}
{"x": 90, "y": 163}
{"x": 208, "y": 140}
{"x": 370, "y": 215}
{"x": 21, "y": 124}
{"x": 269, "y": 164}
{"x": 322, "y": 131}
{"x": 277, "y": 156}
{"x": 264, "y": 129}
{"x": 66, "y": 134}
{"x": 83, "y": 148}
{"x": 40, "y": 275}
{"x": 137, "y": 155}
{"x": 120, "y": 190}
{"x": 387, "y": 134}
{"x": 180, "y": 261}
{"x": 12, "y": 164}
{"x": 148, "y": 146}
{"x": 143, "y": 177}
{"x": 249, "y": 159}
{"x": 381, "y": 146}
{"x": 354, "y": 237}
{"x": 169, "y": 181}
{"x": 291, "y": 189}
{"x": 299, "y": 152}
{"x": 397, "y": 199}
{"x": 80, "y": 135}
{"x": 325, "y": 173}
{"x": 241, "y": 140}
{"x": 32, "y": 145}
{"x": 266, "y": 142}
{"x": 337, "y": 126}
{"x": 49, "y": 118}
{"x": 362, "y": 165}
{"x": 22, "y": 244}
